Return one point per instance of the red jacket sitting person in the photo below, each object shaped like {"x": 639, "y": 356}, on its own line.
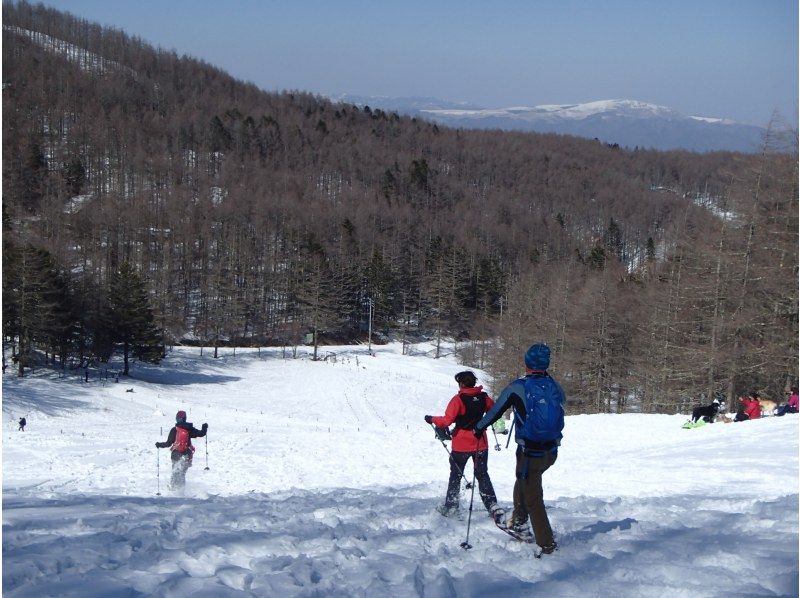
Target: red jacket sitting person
{"x": 749, "y": 408}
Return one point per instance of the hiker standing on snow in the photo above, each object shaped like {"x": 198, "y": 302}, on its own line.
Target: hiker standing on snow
{"x": 180, "y": 440}
{"x": 465, "y": 409}
{"x": 22, "y": 423}
{"x": 538, "y": 404}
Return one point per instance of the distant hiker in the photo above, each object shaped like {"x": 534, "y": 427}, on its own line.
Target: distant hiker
{"x": 538, "y": 402}
{"x": 180, "y": 441}
{"x": 465, "y": 409}
{"x": 791, "y": 403}
{"x": 749, "y": 408}
{"x": 708, "y": 412}
{"x": 22, "y": 423}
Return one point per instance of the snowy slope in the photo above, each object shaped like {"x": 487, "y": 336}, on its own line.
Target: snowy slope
{"x": 323, "y": 479}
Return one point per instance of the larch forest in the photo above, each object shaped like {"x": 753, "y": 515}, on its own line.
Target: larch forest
{"x": 151, "y": 199}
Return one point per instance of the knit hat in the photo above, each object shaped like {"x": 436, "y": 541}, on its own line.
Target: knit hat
{"x": 538, "y": 357}
{"x": 180, "y": 417}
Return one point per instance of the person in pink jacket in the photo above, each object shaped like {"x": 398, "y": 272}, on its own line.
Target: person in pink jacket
{"x": 793, "y": 401}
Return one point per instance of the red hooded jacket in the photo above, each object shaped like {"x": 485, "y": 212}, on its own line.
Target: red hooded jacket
{"x": 464, "y": 441}
{"x": 752, "y": 407}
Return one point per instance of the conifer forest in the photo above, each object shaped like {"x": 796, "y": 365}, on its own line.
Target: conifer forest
{"x": 150, "y": 199}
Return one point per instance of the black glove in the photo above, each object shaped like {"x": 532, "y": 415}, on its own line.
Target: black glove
{"x": 158, "y": 445}
{"x": 478, "y": 433}
{"x": 205, "y": 426}
{"x": 429, "y": 419}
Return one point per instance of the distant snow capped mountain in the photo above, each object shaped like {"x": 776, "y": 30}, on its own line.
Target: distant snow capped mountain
{"x": 627, "y": 122}
{"x": 407, "y": 105}
{"x": 559, "y": 112}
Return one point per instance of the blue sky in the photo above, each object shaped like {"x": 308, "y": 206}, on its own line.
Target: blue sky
{"x": 727, "y": 58}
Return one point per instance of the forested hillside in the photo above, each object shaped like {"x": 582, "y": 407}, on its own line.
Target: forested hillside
{"x": 149, "y": 198}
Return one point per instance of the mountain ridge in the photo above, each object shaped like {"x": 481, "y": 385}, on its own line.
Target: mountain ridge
{"x": 626, "y": 122}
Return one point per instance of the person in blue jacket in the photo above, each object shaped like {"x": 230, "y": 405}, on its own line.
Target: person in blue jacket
{"x": 538, "y": 404}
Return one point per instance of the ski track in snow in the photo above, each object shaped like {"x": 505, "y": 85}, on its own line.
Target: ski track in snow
{"x": 323, "y": 481}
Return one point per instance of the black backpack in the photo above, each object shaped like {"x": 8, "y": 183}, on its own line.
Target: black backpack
{"x": 475, "y": 407}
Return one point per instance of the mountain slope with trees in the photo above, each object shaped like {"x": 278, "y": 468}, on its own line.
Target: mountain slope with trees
{"x": 259, "y": 218}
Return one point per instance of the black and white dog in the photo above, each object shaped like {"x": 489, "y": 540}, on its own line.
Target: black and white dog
{"x": 708, "y": 412}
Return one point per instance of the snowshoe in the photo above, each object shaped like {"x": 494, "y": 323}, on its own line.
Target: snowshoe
{"x": 450, "y": 512}
{"x": 549, "y": 549}
{"x": 521, "y": 533}
{"x": 498, "y": 514}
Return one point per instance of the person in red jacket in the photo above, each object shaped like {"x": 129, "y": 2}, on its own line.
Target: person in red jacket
{"x": 749, "y": 408}
{"x": 465, "y": 410}
{"x": 180, "y": 441}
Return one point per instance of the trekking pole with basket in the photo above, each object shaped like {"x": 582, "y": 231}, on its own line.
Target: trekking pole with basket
{"x": 158, "y": 473}
{"x": 206, "y": 467}
{"x": 496, "y": 442}
{"x": 465, "y": 544}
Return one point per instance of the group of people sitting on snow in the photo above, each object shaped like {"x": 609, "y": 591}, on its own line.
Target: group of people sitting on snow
{"x": 750, "y": 407}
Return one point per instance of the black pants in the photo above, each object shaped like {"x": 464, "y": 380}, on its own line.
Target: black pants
{"x": 458, "y": 463}
{"x": 181, "y": 462}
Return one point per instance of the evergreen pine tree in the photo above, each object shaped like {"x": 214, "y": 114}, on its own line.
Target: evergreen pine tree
{"x": 132, "y": 321}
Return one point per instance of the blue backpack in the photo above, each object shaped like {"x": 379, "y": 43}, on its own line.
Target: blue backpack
{"x": 544, "y": 408}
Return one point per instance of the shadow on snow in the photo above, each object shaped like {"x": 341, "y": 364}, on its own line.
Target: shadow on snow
{"x": 387, "y": 541}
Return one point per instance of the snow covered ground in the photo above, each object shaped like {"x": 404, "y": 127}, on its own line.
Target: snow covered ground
{"x": 323, "y": 478}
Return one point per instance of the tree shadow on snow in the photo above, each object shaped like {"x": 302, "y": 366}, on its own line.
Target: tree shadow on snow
{"x": 26, "y": 398}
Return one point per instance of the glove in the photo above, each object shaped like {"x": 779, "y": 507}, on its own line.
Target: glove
{"x": 429, "y": 419}
{"x": 205, "y": 426}
{"x": 158, "y": 445}
{"x": 478, "y": 433}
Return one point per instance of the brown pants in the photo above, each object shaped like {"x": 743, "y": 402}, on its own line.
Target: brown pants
{"x": 528, "y": 494}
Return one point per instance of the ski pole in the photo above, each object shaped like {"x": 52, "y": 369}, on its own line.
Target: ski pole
{"x": 465, "y": 544}
{"x": 206, "y": 468}
{"x": 496, "y": 442}
{"x": 511, "y": 429}
{"x": 158, "y": 473}
{"x": 468, "y": 486}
